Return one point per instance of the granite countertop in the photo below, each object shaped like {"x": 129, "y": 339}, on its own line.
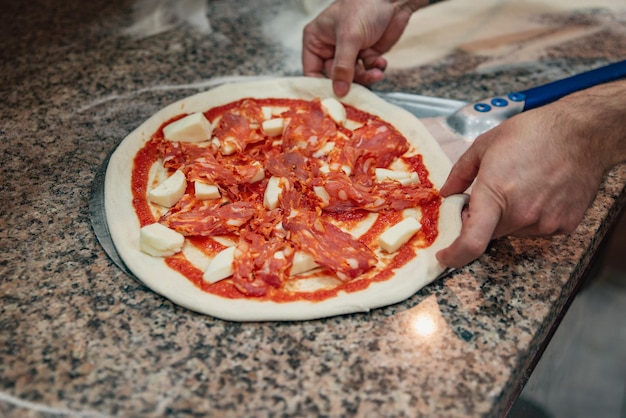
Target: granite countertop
{"x": 78, "y": 337}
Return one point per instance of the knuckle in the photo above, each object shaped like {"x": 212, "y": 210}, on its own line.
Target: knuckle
{"x": 555, "y": 223}
{"x": 473, "y": 248}
{"x": 548, "y": 227}
{"x": 531, "y": 216}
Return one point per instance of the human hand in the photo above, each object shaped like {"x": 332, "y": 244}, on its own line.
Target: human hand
{"x": 537, "y": 173}
{"x": 346, "y": 41}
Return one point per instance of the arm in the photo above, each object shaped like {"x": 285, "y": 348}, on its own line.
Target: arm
{"x": 537, "y": 173}
{"x": 346, "y": 41}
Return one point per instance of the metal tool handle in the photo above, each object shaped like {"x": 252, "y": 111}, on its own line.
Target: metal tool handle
{"x": 547, "y": 93}
{"x": 475, "y": 118}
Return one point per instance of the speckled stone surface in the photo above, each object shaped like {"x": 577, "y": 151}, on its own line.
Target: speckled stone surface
{"x": 80, "y": 338}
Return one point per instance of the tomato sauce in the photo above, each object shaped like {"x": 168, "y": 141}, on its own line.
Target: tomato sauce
{"x": 144, "y": 159}
{"x": 416, "y": 162}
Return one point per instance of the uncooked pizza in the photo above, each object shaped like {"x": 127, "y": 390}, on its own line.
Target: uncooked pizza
{"x": 275, "y": 200}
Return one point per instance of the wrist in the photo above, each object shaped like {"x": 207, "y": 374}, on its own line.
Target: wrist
{"x": 598, "y": 117}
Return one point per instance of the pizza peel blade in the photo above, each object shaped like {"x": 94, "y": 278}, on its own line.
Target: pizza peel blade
{"x": 433, "y": 112}
{"x": 98, "y": 218}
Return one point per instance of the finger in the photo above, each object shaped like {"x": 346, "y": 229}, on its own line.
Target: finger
{"x": 483, "y": 216}
{"x": 345, "y": 62}
{"x": 463, "y": 172}
{"x": 314, "y": 54}
{"x": 312, "y": 64}
{"x": 340, "y": 87}
{"x": 370, "y": 68}
{"x": 368, "y": 77}
{"x": 371, "y": 58}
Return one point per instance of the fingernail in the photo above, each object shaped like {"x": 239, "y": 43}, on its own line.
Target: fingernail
{"x": 341, "y": 88}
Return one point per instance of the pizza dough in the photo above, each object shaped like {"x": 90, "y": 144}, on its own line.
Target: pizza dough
{"x": 152, "y": 271}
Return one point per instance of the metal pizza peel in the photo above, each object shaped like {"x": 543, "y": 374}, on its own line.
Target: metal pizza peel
{"x": 453, "y": 123}
{"x": 98, "y": 218}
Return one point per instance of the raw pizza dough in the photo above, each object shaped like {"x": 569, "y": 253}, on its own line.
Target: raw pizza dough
{"x": 152, "y": 271}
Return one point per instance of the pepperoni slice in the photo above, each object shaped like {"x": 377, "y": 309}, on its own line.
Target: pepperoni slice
{"x": 290, "y": 164}
{"x": 330, "y": 247}
{"x": 192, "y": 217}
{"x": 179, "y": 155}
{"x": 379, "y": 141}
{"x": 241, "y": 126}
{"x": 308, "y": 128}
{"x": 261, "y": 263}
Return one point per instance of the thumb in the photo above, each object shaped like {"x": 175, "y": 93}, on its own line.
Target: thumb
{"x": 463, "y": 172}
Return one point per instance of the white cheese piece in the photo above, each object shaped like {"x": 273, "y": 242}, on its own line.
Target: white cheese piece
{"x": 302, "y": 262}
{"x": 341, "y": 167}
{"x": 206, "y": 191}
{"x": 272, "y": 193}
{"x": 279, "y": 228}
{"x": 335, "y": 110}
{"x": 273, "y": 127}
{"x": 324, "y": 150}
{"x": 169, "y": 191}
{"x": 412, "y": 179}
{"x": 160, "y": 241}
{"x": 191, "y": 128}
{"x": 353, "y": 125}
{"x": 221, "y": 266}
{"x": 259, "y": 175}
{"x": 394, "y": 237}
{"x": 322, "y": 194}
{"x": 268, "y": 112}
{"x": 228, "y": 146}
{"x": 404, "y": 177}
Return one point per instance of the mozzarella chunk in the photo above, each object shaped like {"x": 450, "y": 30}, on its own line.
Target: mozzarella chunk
{"x": 228, "y": 146}
{"x": 206, "y": 191}
{"x": 322, "y": 194}
{"x": 169, "y": 191}
{"x": 405, "y": 178}
{"x": 221, "y": 266}
{"x": 302, "y": 262}
{"x": 268, "y": 111}
{"x": 324, "y": 150}
{"x": 191, "y": 128}
{"x": 397, "y": 235}
{"x": 412, "y": 179}
{"x": 272, "y": 193}
{"x": 160, "y": 241}
{"x": 335, "y": 110}
{"x": 273, "y": 127}
{"x": 259, "y": 175}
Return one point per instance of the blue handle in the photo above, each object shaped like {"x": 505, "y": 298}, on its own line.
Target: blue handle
{"x": 547, "y": 93}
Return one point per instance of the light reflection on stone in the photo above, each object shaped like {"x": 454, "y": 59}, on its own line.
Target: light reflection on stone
{"x": 426, "y": 322}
